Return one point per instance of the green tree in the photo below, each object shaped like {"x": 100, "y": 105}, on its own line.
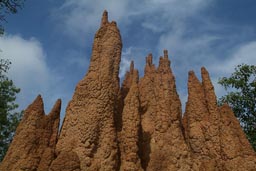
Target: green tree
{"x": 241, "y": 96}
{"x": 9, "y": 117}
{"x": 8, "y": 7}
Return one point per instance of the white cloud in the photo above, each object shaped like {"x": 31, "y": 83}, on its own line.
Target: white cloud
{"x": 28, "y": 70}
{"x": 28, "y": 60}
{"x": 244, "y": 54}
{"x": 125, "y": 65}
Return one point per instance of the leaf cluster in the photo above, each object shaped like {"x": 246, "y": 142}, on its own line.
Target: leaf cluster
{"x": 9, "y": 118}
{"x": 241, "y": 96}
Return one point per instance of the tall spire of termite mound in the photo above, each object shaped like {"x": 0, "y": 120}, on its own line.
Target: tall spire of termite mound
{"x": 162, "y": 145}
{"x": 213, "y": 133}
{"x": 88, "y": 136}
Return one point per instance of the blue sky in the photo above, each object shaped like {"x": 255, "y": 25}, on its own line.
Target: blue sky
{"x": 49, "y": 42}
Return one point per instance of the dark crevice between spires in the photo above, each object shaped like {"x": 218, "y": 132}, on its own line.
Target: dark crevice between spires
{"x": 118, "y": 119}
{"x": 144, "y": 147}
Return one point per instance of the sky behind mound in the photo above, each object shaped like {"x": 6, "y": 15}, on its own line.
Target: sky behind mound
{"x": 49, "y": 42}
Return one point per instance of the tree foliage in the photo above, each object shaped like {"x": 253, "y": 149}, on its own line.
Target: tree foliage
{"x": 241, "y": 96}
{"x": 8, "y": 7}
{"x": 9, "y": 118}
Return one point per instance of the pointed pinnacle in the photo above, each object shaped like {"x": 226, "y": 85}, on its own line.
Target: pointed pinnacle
{"x": 149, "y": 59}
{"x": 131, "y": 66}
{"x": 104, "y": 19}
{"x": 166, "y": 53}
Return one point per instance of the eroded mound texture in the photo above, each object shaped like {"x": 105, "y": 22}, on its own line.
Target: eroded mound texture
{"x": 135, "y": 127}
{"x": 33, "y": 146}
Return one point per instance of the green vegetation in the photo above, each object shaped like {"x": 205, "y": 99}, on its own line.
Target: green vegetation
{"x": 241, "y": 96}
{"x": 9, "y": 118}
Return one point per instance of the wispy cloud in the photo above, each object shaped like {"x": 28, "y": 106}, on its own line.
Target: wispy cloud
{"x": 180, "y": 26}
{"x": 29, "y": 69}
{"x": 30, "y": 72}
{"x": 243, "y": 54}
{"x": 82, "y": 16}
